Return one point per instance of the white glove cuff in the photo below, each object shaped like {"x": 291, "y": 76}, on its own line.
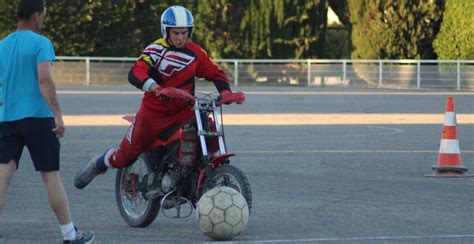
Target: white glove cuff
{"x": 147, "y": 85}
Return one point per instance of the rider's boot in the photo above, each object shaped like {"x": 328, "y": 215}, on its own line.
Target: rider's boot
{"x": 168, "y": 203}
{"x": 89, "y": 172}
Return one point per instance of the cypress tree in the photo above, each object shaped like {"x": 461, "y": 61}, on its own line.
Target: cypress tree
{"x": 456, "y": 37}
{"x": 392, "y": 29}
{"x": 456, "y": 41}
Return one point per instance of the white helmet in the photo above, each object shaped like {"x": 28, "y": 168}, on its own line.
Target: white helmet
{"x": 176, "y": 16}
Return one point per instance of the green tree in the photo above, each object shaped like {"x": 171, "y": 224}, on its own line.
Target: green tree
{"x": 456, "y": 40}
{"x": 95, "y": 28}
{"x": 284, "y": 29}
{"x": 68, "y": 24}
{"x": 337, "y": 43}
{"x": 456, "y": 37}
{"x": 301, "y": 29}
{"x": 8, "y": 20}
{"x": 393, "y": 29}
{"x": 226, "y": 28}
{"x": 103, "y": 28}
{"x": 217, "y": 27}
{"x": 338, "y": 38}
{"x": 261, "y": 28}
{"x": 341, "y": 8}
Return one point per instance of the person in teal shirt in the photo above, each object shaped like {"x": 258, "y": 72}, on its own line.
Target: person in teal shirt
{"x": 30, "y": 115}
{"x": 21, "y": 52}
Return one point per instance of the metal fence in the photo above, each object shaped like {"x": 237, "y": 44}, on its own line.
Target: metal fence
{"x": 454, "y": 74}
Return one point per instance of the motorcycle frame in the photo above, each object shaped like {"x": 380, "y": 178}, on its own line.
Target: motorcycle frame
{"x": 203, "y": 109}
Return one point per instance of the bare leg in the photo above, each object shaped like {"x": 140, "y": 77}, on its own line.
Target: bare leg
{"x": 57, "y": 196}
{"x": 6, "y": 174}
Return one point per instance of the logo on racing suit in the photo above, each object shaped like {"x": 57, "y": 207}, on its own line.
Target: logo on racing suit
{"x": 173, "y": 62}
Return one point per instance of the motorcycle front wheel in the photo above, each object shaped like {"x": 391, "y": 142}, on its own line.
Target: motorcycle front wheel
{"x": 135, "y": 208}
{"x": 233, "y": 177}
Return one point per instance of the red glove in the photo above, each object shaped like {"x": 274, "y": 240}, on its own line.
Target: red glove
{"x": 168, "y": 93}
{"x": 228, "y": 97}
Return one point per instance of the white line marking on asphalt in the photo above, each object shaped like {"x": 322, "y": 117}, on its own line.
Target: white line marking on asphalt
{"x": 374, "y": 93}
{"x": 389, "y": 132}
{"x": 99, "y": 92}
{"x": 346, "y": 151}
{"x": 366, "y": 238}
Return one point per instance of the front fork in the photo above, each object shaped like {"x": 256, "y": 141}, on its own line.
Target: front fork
{"x": 206, "y": 166}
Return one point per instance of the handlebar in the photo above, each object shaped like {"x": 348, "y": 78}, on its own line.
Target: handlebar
{"x": 167, "y": 94}
{"x": 238, "y": 98}
{"x": 206, "y": 100}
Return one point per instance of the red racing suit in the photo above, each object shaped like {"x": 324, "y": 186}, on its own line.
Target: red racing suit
{"x": 168, "y": 67}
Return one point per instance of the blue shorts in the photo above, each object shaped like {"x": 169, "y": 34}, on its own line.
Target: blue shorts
{"x": 36, "y": 135}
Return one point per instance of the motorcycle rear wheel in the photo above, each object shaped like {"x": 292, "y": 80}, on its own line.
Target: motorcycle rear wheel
{"x": 135, "y": 208}
{"x": 233, "y": 177}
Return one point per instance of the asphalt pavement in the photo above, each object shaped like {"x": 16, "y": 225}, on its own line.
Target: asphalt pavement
{"x": 341, "y": 183}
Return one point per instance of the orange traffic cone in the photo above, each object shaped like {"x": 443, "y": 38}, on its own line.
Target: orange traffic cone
{"x": 449, "y": 160}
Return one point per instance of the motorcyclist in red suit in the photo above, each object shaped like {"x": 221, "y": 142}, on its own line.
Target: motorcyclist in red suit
{"x": 166, "y": 69}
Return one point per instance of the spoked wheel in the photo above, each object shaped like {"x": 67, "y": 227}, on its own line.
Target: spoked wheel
{"x": 230, "y": 176}
{"x": 130, "y": 189}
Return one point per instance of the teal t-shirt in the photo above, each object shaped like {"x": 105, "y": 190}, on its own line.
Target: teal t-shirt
{"x": 20, "y": 96}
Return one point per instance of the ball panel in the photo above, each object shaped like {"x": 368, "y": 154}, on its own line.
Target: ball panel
{"x": 222, "y": 200}
{"x": 233, "y": 215}
{"x": 205, "y": 205}
{"x": 212, "y": 192}
{"x": 222, "y": 231}
{"x": 245, "y": 215}
{"x": 205, "y": 224}
{"x": 239, "y": 201}
{"x": 238, "y": 228}
{"x": 229, "y": 190}
{"x": 216, "y": 215}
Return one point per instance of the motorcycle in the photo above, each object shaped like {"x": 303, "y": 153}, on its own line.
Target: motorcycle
{"x": 157, "y": 181}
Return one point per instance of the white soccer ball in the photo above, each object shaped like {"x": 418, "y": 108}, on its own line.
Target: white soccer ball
{"x": 222, "y": 213}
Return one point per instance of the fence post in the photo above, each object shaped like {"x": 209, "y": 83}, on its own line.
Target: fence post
{"x": 236, "y": 73}
{"x": 418, "y": 74}
{"x": 88, "y": 74}
{"x": 309, "y": 73}
{"x": 344, "y": 70}
{"x": 380, "y": 74}
{"x": 458, "y": 75}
